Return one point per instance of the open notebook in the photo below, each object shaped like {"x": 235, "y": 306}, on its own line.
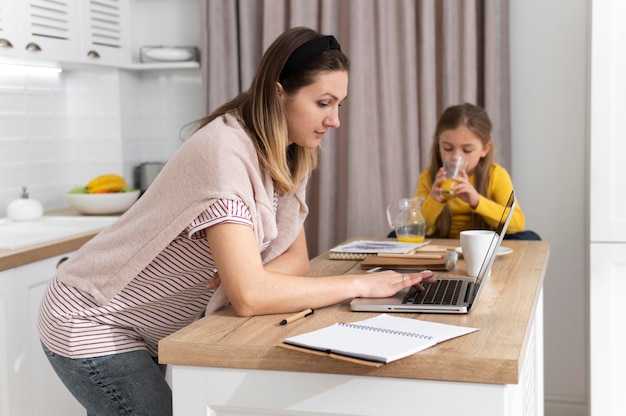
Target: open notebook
{"x": 447, "y": 295}
{"x": 375, "y": 341}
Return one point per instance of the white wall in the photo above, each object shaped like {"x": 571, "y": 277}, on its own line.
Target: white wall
{"x": 54, "y": 128}
{"x": 549, "y": 83}
{"x": 59, "y": 131}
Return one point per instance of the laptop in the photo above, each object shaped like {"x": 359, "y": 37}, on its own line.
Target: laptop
{"x": 447, "y": 295}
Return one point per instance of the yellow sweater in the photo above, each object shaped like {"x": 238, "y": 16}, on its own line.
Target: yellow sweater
{"x": 490, "y": 208}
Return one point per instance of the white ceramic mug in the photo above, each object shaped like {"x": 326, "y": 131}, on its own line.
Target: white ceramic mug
{"x": 475, "y": 245}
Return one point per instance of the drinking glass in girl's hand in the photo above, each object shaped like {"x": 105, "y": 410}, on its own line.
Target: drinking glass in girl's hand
{"x": 453, "y": 166}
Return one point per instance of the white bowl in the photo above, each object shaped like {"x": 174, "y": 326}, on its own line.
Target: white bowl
{"x": 169, "y": 54}
{"x": 103, "y": 204}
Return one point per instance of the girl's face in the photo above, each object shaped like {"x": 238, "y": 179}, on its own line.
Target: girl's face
{"x": 315, "y": 108}
{"x": 462, "y": 142}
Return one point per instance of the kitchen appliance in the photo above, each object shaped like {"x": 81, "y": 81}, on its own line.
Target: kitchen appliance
{"x": 145, "y": 173}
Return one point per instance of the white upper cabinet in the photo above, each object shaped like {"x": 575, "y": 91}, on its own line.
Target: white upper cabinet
{"x": 105, "y": 32}
{"x": 42, "y": 29}
{"x": 100, "y": 32}
{"x": 74, "y": 31}
{"x": 8, "y": 28}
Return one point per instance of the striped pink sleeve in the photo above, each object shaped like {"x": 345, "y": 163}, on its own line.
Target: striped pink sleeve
{"x": 221, "y": 211}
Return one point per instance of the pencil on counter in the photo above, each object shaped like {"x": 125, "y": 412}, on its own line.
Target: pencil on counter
{"x": 297, "y": 316}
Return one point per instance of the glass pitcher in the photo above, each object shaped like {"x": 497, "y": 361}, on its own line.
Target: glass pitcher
{"x": 406, "y": 218}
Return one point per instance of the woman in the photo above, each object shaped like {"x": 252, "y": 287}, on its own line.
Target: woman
{"x": 481, "y": 191}
{"x": 230, "y": 201}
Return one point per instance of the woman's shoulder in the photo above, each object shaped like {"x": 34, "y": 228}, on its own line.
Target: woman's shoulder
{"x": 224, "y": 124}
{"x": 224, "y": 132}
{"x": 220, "y": 143}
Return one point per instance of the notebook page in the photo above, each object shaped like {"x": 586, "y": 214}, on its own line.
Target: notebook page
{"x": 383, "y": 338}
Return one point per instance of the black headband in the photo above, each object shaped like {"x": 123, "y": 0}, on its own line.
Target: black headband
{"x": 305, "y": 53}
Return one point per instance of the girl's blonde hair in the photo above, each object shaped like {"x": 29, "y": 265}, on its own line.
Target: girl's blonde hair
{"x": 477, "y": 121}
{"x": 261, "y": 111}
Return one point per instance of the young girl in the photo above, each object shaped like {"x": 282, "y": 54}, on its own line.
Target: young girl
{"x": 481, "y": 191}
{"x": 231, "y": 201}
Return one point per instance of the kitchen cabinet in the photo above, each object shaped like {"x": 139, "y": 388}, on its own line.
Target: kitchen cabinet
{"x": 607, "y": 285}
{"x": 66, "y": 31}
{"x": 105, "y": 32}
{"x": 7, "y": 325}
{"x": 42, "y": 29}
{"x": 28, "y": 384}
{"x": 8, "y": 28}
{"x": 98, "y": 32}
{"x": 607, "y": 254}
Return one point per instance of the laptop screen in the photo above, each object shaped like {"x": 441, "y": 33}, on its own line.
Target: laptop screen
{"x": 498, "y": 236}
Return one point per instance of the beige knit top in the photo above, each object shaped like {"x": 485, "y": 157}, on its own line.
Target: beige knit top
{"x": 217, "y": 162}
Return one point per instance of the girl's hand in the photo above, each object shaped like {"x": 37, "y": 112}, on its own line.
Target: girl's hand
{"x": 435, "y": 191}
{"x": 387, "y": 283}
{"x": 465, "y": 191}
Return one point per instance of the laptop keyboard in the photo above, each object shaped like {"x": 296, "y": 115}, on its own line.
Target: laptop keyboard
{"x": 442, "y": 292}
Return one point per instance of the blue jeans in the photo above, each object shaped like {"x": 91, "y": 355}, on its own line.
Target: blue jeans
{"x": 131, "y": 383}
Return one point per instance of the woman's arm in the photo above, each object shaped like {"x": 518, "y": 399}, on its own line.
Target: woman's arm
{"x": 255, "y": 289}
{"x": 293, "y": 261}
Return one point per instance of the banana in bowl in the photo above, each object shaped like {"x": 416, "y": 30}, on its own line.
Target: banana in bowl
{"x": 104, "y": 195}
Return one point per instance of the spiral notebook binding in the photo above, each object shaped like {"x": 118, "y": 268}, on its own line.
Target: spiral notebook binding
{"x": 335, "y": 255}
{"x": 385, "y": 331}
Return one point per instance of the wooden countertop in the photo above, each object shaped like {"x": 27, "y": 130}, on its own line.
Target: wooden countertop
{"x": 25, "y": 255}
{"x": 504, "y": 314}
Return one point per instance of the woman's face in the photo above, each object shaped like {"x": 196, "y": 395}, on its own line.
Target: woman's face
{"x": 315, "y": 108}
{"x": 462, "y": 142}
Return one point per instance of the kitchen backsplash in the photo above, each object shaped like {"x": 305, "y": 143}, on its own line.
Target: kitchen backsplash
{"x": 58, "y": 131}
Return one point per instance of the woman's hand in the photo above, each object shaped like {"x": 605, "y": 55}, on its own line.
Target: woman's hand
{"x": 214, "y": 282}
{"x": 465, "y": 191}
{"x": 388, "y": 283}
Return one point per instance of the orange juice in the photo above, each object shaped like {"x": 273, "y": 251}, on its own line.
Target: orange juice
{"x": 411, "y": 238}
{"x": 414, "y": 233}
{"x": 446, "y": 189}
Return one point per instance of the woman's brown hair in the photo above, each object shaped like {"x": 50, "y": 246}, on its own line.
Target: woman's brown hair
{"x": 261, "y": 112}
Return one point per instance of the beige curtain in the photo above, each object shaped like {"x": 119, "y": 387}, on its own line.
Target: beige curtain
{"x": 410, "y": 60}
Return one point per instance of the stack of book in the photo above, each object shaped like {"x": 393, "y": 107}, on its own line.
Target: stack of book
{"x": 360, "y": 249}
{"x": 391, "y": 254}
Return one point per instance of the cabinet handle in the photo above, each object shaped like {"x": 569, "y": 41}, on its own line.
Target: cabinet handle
{"x": 93, "y": 54}
{"x": 33, "y": 47}
{"x": 4, "y": 43}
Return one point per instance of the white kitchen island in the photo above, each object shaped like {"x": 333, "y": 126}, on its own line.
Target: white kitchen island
{"x": 227, "y": 365}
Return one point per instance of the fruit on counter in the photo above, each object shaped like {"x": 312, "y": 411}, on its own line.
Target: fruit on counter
{"x": 106, "y": 183}
{"x": 109, "y": 183}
